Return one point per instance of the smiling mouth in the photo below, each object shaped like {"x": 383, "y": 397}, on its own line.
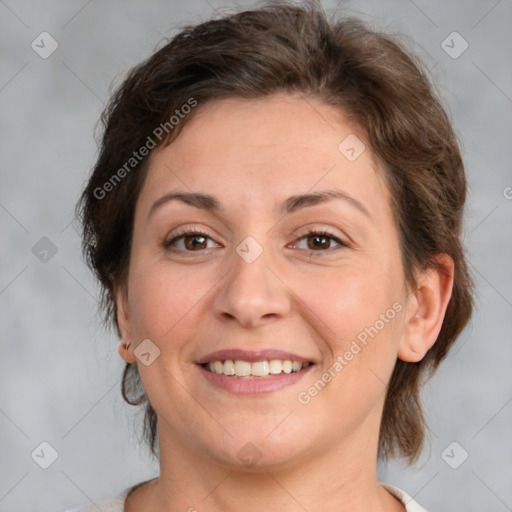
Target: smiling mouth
{"x": 257, "y": 369}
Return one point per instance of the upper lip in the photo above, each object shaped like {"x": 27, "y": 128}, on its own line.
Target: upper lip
{"x": 252, "y": 356}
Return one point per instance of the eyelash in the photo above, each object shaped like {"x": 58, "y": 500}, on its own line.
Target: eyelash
{"x": 168, "y": 245}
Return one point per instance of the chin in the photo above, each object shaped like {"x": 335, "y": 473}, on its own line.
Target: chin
{"x": 262, "y": 449}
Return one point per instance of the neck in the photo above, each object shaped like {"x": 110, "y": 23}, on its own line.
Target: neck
{"x": 341, "y": 479}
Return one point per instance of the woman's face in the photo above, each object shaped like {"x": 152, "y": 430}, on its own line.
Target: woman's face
{"x": 251, "y": 285}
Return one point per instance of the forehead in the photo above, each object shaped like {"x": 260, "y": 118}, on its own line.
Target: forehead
{"x": 256, "y": 151}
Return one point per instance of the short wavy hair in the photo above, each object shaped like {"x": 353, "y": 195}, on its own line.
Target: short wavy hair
{"x": 372, "y": 80}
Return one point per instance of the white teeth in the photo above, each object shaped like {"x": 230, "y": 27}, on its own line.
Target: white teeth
{"x": 240, "y": 368}
{"x": 260, "y": 369}
{"x": 296, "y": 366}
{"x": 229, "y": 367}
{"x": 275, "y": 366}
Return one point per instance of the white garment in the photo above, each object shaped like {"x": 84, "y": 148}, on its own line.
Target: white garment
{"x": 410, "y": 504}
{"x": 116, "y": 504}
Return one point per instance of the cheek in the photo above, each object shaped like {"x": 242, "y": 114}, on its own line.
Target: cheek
{"x": 361, "y": 310}
{"x": 368, "y": 342}
{"x": 160, "y": 297}
{"x": 348, "y": 299}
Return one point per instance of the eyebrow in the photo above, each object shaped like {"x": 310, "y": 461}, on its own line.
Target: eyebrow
{"x": 290, "y": 205}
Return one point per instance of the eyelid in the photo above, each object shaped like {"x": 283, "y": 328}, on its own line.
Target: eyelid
{"x": 341, "y": 236}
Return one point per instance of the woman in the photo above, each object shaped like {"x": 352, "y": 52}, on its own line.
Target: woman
{"x": 275, "y": 220}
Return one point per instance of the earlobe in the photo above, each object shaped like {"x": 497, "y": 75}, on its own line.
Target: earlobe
{"x": 426, "y": 309}
{"x": 125, "y": 348}
{"x": 126, "y": 352}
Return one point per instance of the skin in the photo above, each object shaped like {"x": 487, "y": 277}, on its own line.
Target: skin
{"x": 252, "y": 155}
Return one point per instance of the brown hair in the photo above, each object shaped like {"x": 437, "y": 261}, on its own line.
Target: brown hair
{"x": 294, "y": 49}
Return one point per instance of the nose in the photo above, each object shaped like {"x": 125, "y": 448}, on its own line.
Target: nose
{"x": 252, "y": 294}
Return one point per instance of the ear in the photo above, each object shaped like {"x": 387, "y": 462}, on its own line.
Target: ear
{"x": 426, "y": 308}
{"x": 125, "y": 347}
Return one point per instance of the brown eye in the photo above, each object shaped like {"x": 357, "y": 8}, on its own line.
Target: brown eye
{"x": 320, "y": 241}
{"x": 194, "y": 242}
{"x": 190, "y": 241}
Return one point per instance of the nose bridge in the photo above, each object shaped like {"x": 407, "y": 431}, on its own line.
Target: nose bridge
{"x": 251, "y": 292}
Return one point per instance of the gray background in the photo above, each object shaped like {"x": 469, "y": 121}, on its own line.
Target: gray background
{"x": 60, "y": 371}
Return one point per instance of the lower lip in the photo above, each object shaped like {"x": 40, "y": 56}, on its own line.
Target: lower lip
{"x": 242, "y": 386}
